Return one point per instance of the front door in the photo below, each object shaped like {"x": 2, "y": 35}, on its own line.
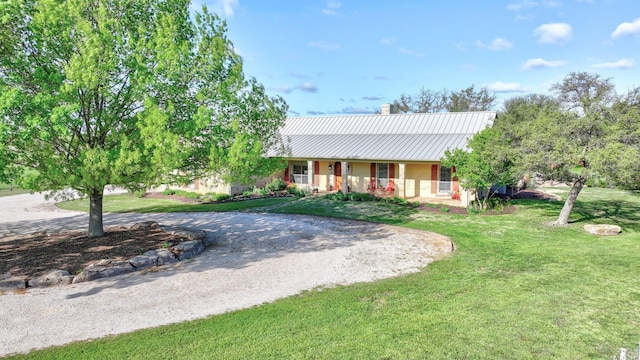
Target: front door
{"x": 338, "y": 175}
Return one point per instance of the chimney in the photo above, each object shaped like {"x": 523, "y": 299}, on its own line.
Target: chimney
{"x": 386, "y": 109}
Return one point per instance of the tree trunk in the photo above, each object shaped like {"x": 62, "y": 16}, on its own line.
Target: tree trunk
{"x": 95, "y": 213}
{"x": 563, "y": 219}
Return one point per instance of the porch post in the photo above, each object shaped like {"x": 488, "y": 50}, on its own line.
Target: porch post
{"x": 401, "y": 185}
{"x": 310, "y": 174}
{"x": 345, "y": 177}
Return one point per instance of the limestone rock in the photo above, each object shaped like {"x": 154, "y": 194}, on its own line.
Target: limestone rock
{"x": 102, "y": 269}
{"x": 143, "y": 261}
{"x": 603, "y": 229}
{"x": 8, "y": 281}
{"x": 53, "y": 278}
{"x": 187, "y": 249}
{"x": 186, "y": 234}
{"x": 145, "y": 225}
{"x": 164, "y": 256}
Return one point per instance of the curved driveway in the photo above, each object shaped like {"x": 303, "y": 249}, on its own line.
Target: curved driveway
{"x": 257, "y": 258}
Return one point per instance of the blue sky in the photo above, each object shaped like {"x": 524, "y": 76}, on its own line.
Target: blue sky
{"x": 349, "y": 57}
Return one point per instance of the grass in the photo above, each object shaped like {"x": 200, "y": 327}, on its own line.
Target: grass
{"x": 124, "y": 203}
{"x": 8, "y": 190}
{"x": 516, "y": 288}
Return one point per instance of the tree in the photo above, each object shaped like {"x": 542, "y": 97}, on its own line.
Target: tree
{"x": 429, "y": 101}
{"x": 484, "y": 168}
{"x": 129, "y": 93}
{"x": 470, "y": 100}
{"x": 584, "y": 134}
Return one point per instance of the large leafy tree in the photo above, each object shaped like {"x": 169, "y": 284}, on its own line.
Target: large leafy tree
{"x": 584, "y": 132}
{"x": 126, "y": 92}
{"x": 483, "y": 167}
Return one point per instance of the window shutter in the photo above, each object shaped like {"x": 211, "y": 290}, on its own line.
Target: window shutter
{"x": 392, "y": 172}
{"x": 373, "y": 176}
{"x": 286, "y": 174}
{"x": 434, "y": 179}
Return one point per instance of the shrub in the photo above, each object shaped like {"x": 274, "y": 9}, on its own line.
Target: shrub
{"x": 444, "y": 209}
{"x": 276, "y": 185}
{"x": 416, "y": 204}
{"x": 337, "y": 196}
{"x": 220, "y": 197}
{"x": 168, "y": 192}
{"x": 355, "y": 196}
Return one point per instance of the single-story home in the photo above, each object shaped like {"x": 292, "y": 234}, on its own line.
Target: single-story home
{"x": 393, "y": 154}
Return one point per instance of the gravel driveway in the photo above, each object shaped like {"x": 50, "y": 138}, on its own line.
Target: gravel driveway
{"x": 257, "y": 258}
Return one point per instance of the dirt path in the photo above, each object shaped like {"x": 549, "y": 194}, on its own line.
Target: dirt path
{"x": 257, "y": 258}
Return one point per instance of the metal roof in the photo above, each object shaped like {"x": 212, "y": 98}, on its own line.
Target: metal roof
{"x": 401, "y": 137}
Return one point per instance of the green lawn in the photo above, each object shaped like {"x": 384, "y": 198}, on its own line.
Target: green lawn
{"x": 8, "y": 190}
{"x": 124, "y": 203}
{"x": 516, "y": 288}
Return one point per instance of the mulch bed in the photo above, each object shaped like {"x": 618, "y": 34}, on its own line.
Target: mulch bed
{"x": 27, "y": 256}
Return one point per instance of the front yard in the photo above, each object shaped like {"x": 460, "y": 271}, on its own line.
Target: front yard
{"x": 516, "y": 288}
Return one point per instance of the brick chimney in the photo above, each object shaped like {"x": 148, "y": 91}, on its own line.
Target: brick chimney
{"x": 386, "y": 109}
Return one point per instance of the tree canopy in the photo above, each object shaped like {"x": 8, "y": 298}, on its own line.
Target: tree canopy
{"x": 128, "y": 93}
{"x": 430, "y": 101}
{"x": 585, "y": 133}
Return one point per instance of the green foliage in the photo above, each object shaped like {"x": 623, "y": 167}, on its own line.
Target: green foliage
{"x": 95, "y": 93}
{"x": 168, "y": 192}
{"x": 416, "y": 204}
{"x": 586, "y": 128}
{"x": 444, "y": 209}
{"x": 292, "y": 189}
{"x": 276, "y": 184}
{"x": 487, "y": 165}
{"x": 400, "y": 201}
{"x": 356, "y": 196}
{"x": 429, "y": 101}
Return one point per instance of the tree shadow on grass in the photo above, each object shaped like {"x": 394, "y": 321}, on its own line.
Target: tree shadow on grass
{"x": 626, "y": 214}
{"x": 618, "y": 212}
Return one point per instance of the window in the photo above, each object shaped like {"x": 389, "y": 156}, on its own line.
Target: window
{"x": 445, "y": 180}
{"x": 300, "y": 172}
{"x": 382, "y": 178}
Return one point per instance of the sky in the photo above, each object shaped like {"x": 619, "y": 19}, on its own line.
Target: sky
{"x": 327, "y": 57}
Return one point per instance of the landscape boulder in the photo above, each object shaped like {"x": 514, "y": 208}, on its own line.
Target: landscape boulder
{"x": 164, "y": 256}
{"x": 103, "y": 269}
{"x": 53, "y": 278}
{"x": 145, "y": 225}
{"x": 8, "y": 282}
{"x": 144, "y": 261}
{"x": 605, "y": 230}
{"x": 187, "y": 249}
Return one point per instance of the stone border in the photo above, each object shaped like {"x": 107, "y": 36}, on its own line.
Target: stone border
{"x": 194, "y": 242}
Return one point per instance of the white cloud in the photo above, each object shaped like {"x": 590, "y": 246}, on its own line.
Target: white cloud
{"x": 406, "y": 51}
{"x": 522, "y": 5}
{"x": 324, "y": 45}
{"x": 222, "y": 7}
{"x": 332, "y": 7}
{"x": 500, "y": 87}
{"x": 540, "y": 63}
{"x": 497, "y": 44}
{"x": 620, "y": 64}
{"x": 372, "y": 98}
{"x": 528, "y": 4}
{"x": 388, "y": 41}
{"x": 627, "y": 28}
{"x": 305, "y": 87}
{"x": 556, "y": 33}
